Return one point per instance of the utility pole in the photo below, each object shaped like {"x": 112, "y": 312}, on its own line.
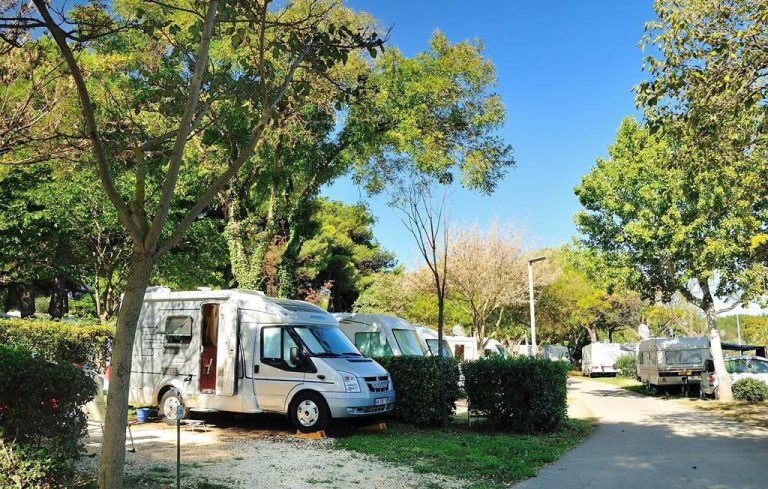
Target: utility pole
{"x": 530, "y": 295}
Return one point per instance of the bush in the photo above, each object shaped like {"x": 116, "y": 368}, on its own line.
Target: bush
{"x": 626, "y": 366}
{"x": 524, "y": 394}
{"x": 748, "y": 389}
{"x": 59, "y": 341}
{"x": 418, "y": 382}
{"x": 41, "y": 422}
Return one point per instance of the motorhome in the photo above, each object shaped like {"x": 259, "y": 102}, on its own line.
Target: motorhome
{"x": 429, "y": 337}
{"x": 464, "y": 347}
{"x": 600, "y": 359}
{"x": 663, "y": 362}
{"x": 379, "y": 335}
{"x": 556, "y": 352}
{"x": 241, "y": 351}
{"x": 494, "y": 347}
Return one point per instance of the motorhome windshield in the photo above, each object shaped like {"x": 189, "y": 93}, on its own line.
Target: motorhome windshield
{"x": 432, "y": 344}
{"x": 408, "y": 342}
{"x": 325, "y": 341}
{"x": 683, "y": 357}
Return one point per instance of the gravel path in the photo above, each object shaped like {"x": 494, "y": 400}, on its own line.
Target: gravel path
{"x": 240, "y": 457}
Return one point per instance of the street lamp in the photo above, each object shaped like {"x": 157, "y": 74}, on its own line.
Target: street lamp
{"x": 530, "y": 295}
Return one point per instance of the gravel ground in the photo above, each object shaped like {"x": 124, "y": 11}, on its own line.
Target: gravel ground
{"x": 249, "y": 452}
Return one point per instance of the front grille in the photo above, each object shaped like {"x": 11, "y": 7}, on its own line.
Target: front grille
{"x": 377, "y": 384}
{"x": 370, "y": 409}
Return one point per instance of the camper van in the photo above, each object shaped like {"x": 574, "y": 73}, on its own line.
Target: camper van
{"x": 600, "y": 359}
{"x": 241, "y": 351}
{"x": 429, "y": 337}
{"x": 556, "y": 352}
{"x": 379, "y": 335}
{"x": 494, "y": 347}
{"x": 464, "y": 348}
{"x": 665, "y": 362}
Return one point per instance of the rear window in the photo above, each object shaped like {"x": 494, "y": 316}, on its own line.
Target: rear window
{"x": 683, "y": 357}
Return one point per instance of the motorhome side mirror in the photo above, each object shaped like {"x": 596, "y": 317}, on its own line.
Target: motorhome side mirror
{"x": 295, "y": 357}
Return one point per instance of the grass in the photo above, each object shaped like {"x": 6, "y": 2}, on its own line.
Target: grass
{"x": 484, "y": 459}
{"x": 751, "y": 413}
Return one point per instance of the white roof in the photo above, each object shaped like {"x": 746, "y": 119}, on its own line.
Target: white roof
{"x": 676, "y": 342}
{"x": 373, "y": 319}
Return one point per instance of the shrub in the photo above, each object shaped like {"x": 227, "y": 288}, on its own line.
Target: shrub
{"x": 41, "y": 422}
{"x": 59, "y": 341}
{"x": 749, "y": 389}
{"x": 524, "y": 394}
{"x": 626, "y": 366}
{"x": 418, "y": 383}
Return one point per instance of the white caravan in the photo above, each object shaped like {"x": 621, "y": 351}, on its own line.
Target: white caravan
{"x": 556, "y": 352}
{"x": 600, "y": 359}
{"x": 379, "y": 335}
{"x": 667, "y": 361}
{"x": 429, "y": 337}
{"x": 464, "y": 347}
{"x": 243, "y": 352}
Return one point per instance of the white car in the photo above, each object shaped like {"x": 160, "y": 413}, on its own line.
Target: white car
{"x": 738, "y": 367}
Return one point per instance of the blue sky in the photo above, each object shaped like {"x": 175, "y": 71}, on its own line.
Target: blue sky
{"x": 566, "y": 71}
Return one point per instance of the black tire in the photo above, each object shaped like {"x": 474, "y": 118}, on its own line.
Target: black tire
{"x": 166, "y": 409}
{"x": 309, "y": 412}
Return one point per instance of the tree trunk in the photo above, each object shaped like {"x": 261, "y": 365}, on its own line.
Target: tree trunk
{"x": 724, "y": 392}
{"x": 57, "y": 306}
{"x": 592, "y": 330}
{"x": 27, "y": 299}
{"x": 113, "y": 448}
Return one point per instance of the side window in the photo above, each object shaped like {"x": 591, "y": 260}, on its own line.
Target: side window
{"x": 270, "y": 344}
{"x": 640, "y": 359}
{"x": 178, "y": 330}
{"x": 276, "y": 343}
{"x": 369, "y": 344}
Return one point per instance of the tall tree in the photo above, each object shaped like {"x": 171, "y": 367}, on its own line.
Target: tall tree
{"x": 682, "y": 231}
{"x": 168, "y": 71}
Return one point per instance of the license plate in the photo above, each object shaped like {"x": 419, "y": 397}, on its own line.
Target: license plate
{"x": 381, "y": 401}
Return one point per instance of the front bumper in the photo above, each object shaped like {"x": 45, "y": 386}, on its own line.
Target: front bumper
{"x": 352, "y": 405}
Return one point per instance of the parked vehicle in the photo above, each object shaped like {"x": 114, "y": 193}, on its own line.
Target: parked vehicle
{"x": 429, "y": 337}
{"x": 241, "y": 351}
{"x": 494, "y": 347}
{"x": 464, "y": 347}
{"x": 556, "y": 352}
{"x": 738, "y": 367}
{"x": 600, "y": 359}
{"x": 524, "y": 351}
{"x": 663, "y": 362}
{"x": 379, "y": 335}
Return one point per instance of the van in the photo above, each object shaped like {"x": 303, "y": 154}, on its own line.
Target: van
{"x": 556, "y": 353}
{"x": 663, "y": 362}
{"x": 493, "y": 347}
{"x": 738, "y": 367}
{"x": 379, "y": 335}
{"x": 243, "y": 352}
{"x": 600, "y": 359}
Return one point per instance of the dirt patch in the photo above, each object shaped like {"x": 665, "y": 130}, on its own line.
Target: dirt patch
{"x": 253, "y": 451}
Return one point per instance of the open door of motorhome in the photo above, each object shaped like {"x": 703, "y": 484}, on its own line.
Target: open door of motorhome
{"x": 226, "y": 361}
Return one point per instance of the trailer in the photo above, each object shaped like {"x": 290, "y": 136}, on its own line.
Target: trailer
{"x": 663, "y": 362}
{"x": 600, "y": 359}
{"x": 243, "y": 352}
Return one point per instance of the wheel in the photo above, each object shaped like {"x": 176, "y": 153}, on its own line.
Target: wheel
{"x": 169, "y": 404}
{"x": 308, "y": 412}
{"x": 647, "y": 385}
{"x": 715, "y": 393}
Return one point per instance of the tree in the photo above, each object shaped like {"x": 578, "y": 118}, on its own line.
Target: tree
{"x": 681, "y": 231}
{"x": 487, "y": 273}
{"x": 160, "y": 90}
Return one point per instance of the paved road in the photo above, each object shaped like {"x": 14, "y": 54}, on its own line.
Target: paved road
{"x": 642, "y": 442}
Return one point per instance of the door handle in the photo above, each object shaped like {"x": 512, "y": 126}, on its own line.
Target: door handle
{"x": 255, "y": 369}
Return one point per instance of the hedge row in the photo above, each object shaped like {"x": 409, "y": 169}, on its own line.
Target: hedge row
{"x": 523, "y": 394}
{"x": 60, "y": 341}
{"x": 418, "y": 383}
{"x": 41, "y": 423}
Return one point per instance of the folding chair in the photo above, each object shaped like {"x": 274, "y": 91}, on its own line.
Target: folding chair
{"x": 96, "y": 410}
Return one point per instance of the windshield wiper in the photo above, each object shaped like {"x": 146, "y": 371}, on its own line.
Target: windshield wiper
{"x": 353, "y": 354}
{"x": 327, "y": 354}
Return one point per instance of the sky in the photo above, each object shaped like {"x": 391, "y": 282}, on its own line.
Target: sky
{"x": 566, "y": 71}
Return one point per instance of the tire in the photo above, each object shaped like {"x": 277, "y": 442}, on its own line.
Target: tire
{"x": 309, "y": 412}
{"x": 168, "y": 405}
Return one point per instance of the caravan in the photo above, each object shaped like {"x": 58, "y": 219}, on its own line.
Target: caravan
{"x": 600, "y": 358}
{"x": 664, "y": 362}
{"x": 241, "y": 351}
{"x": 379, "y": 335}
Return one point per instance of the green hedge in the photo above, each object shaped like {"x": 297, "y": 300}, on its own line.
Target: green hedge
{"x": 41, "y": 423}
{"x": 418, "y": 383}
{"x": 60, "y": 341}
{"x": 524, "y": 394}
{"x": 748, "y": 389}
{"x": 626, "y": 366}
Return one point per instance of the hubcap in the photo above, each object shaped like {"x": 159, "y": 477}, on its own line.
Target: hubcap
{"x": 307, "y": 413}
{"x": 170, "y": 406}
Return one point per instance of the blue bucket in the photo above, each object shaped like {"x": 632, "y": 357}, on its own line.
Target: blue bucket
{"x": 142, "y": 415}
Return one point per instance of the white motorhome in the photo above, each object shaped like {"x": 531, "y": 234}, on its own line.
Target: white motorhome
{"x": 241, "y": 351}
{"x": 429, "y": 337}
{"x": 379, "y": 335}
{"x": 664, "y": 362}
{"x": 600, "y": 359}
{"x": 464, "y": 347}
{"x": 556, "y": 352}
{"x": 494, "y": 347}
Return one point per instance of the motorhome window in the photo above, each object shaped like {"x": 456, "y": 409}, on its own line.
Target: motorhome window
{"x": 369, "y": 344}
{"x": 276, "y": 344}
{"x": 178, "y": 329}
{"x": 408, "y": 342}
{"x": 683, "y": 357}
{"x": 323, "y": 340}
{"x": 432, "y": 344}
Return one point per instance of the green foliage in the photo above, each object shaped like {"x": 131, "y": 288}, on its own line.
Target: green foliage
{"x": 626, "y": 366}
{"x": 749, "y": 389}
{"x": 41, "y": 423}
{"x": 419, "y": 384}
{"x": 525, "y": 394}
{"x": 57, "y": 341}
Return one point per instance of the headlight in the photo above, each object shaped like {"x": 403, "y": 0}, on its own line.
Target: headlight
{"x": 350, "y": 382}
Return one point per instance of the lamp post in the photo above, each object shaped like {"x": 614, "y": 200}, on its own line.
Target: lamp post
{"x": 530, "y": 295}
